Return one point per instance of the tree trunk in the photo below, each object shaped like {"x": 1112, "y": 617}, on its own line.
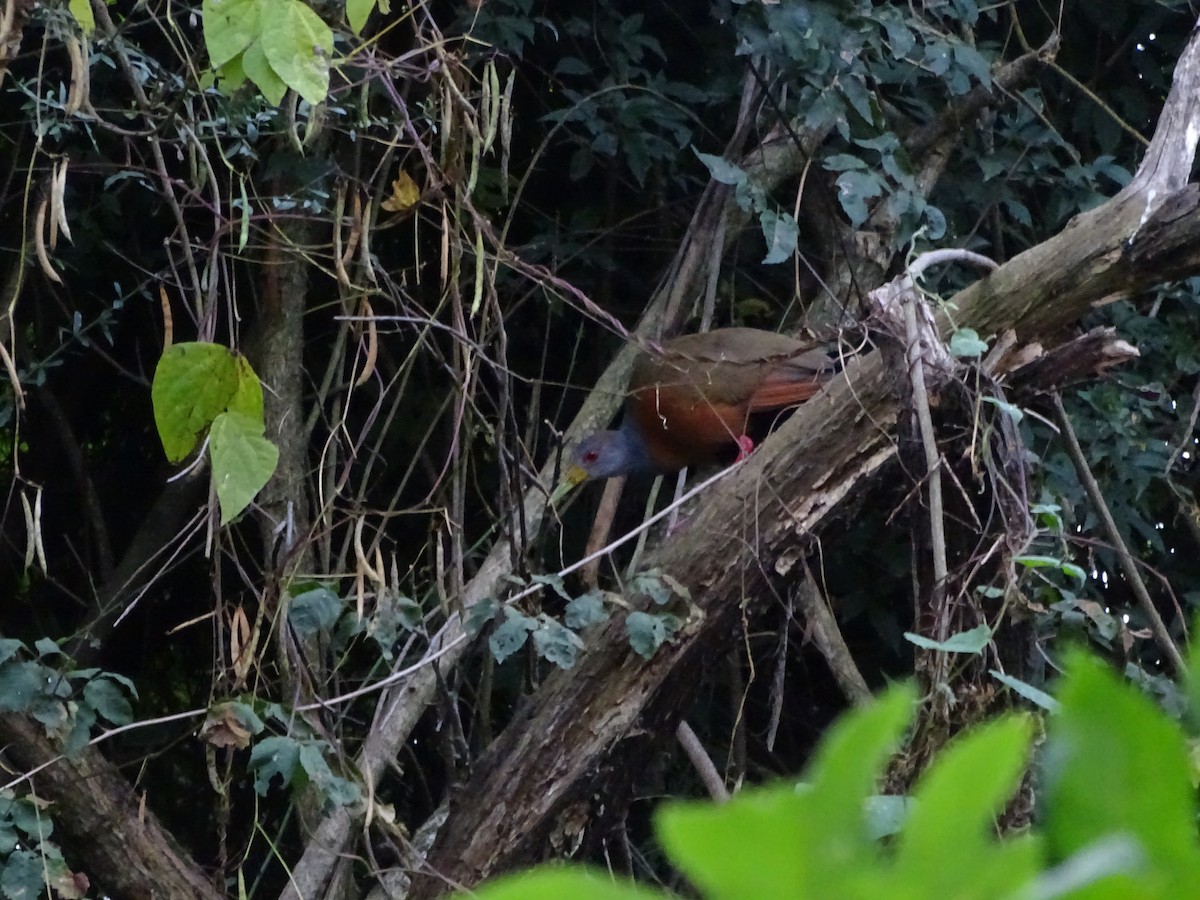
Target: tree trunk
{"x": 118, "y": 841}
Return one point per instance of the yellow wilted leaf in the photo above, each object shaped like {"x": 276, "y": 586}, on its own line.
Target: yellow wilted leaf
{"x": 405, "y": 194}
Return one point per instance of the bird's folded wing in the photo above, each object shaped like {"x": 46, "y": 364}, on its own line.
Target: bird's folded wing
{"x": 786, "y": 387}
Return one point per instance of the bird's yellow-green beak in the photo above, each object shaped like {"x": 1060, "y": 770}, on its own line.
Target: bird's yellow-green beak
{"x": 571, "y": 479}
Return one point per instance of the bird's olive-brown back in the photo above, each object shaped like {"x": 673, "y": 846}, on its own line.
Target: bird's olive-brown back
{"x": 726, "y": 366}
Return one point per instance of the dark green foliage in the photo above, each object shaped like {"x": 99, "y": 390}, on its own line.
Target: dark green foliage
{"x": 585, "y": 610}
{"x": 314, "y": 610}
{"x": 649, "y": 631}
{"x": 299, "y": 764}
{"x": 510, "y": 635}
{"x": 68, "y": 701}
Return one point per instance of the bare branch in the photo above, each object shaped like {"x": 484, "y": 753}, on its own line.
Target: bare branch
{"x": 1128, "y": 566}
{"x": 700, "y": 760}
{"x": 829, "y": 640}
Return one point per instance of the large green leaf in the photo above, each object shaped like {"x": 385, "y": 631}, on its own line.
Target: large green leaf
{"x": 357, "y": 12}
{"x": 850, "y": 759}
{"x": 955, "y": 805}
{"x": 193, "y": 384}
{"x": 258, "y": 70}
{"x": 232, "y": 76}
{"x": 230, "y": 26}
{"x": 242, "y": 461}
{"x": 784, "y": 842}
{"x": 751, "y": 847}
{"x": 298, "y": 45}
{"x": 1115, "y": 764}
{"x": 248, "y": 396}
{"x": 557, "y": 884}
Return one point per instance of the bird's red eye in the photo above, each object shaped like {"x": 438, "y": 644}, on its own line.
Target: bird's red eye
{"x": 591, "y": 456}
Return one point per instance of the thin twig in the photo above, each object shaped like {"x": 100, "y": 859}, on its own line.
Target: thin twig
{"x": 1187, "y": 440}
{"x": 1128, "y": 565}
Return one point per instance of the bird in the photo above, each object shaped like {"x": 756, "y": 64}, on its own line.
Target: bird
{"x": 694, "y": 399}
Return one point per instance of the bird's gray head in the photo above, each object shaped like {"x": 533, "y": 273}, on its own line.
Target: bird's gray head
{"x": 606, "y": 454}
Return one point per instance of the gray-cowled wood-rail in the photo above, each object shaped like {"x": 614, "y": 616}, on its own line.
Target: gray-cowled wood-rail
{"x": 693, "y": 400}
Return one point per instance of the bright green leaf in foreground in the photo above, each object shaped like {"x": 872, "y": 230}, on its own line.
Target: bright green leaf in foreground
{"x": 560, "y": 883}
{"x": 1115, "y": 764}
{"x": 242, "y": 461}
{"x": 784, "y": 843}
{"x": 955, "y": 805}
{"x": 767, "y": 830}
{"x": 851, "y": 758}
{"x": 1118, "y": 821}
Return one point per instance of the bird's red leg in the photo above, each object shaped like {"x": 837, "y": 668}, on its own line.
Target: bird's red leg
{"x": 745, "y": 446}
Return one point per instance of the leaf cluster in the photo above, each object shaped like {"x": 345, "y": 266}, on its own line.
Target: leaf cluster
{"x": 33, "y": 862}
{"x": 67, "y": 701}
